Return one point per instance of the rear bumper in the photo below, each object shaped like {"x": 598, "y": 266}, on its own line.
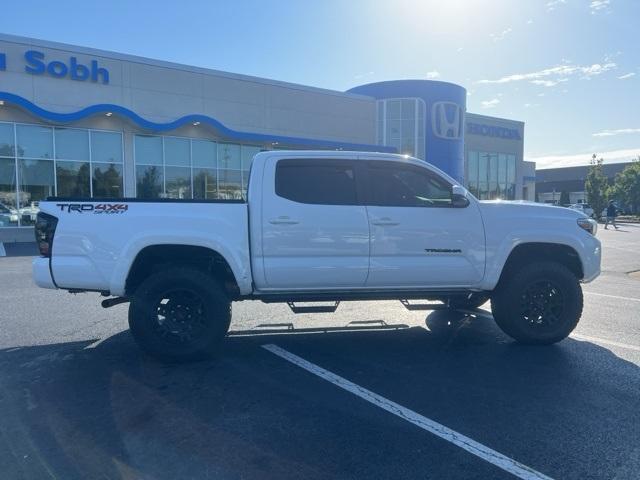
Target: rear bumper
{"x": 41, "y": 273}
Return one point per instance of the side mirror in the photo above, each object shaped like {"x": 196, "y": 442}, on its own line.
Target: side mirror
{"x": 459, "y": 197}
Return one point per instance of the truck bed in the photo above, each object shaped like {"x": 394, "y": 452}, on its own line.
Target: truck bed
{"x": 97, "y": 240}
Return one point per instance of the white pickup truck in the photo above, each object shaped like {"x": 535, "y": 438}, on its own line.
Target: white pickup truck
{"x": 320, "y": 227}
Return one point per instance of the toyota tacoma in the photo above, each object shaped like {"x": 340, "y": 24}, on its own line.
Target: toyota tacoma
{"x": 320, "y": 226}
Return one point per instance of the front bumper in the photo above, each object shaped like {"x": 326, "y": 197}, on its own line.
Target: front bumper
{"x": 591, "y": 259}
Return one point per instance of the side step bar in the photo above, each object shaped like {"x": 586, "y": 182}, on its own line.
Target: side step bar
{"x": 313, "y": 308}
{"x": 423, "y": 306}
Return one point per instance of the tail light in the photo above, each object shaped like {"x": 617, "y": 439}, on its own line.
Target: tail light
{"x": 45, "y": 229}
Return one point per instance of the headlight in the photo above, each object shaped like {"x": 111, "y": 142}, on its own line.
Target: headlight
{"x": 588, "y": 224}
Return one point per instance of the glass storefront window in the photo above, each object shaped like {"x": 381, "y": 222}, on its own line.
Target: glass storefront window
{"x": 229, "y": 156}
{"x": 73, "y": 179}
{"x": 71, "y": 144}
{"x": 107, "y": 180}
{"x": 8, "y": 199}
{"x": 229, "y": 184}
{"x": 401, "y": 125}
{"x": 407, "y": 146}
{"x": 177, "y": 152}
{"x": 34, "y": 141}
{"x": 491, "y": 175}
{"x": 248, "y": 152}
{"x": 148, "y": 150}
{"x": 205, "y": 183}
{"x": 37, "y": 182}
{"x": 245, "y": 181}
{"x": 511, "y": 168}
{"x": 502, "y": 175}
{"x": 177, "y": 182}
{"x": 472, "y": 172}
{"x": 54, "y": 161}
{"x": 408, "y": 109}
{"x": 483, "y": 168}
{"x": 393, "y": 129}
{"x": 6, "y": 140}
{"x": 393, "y": 109}
{"x": 205, "y": 153}
{"x": 149, "y": 181}
{"x": 191, "y": 168}
{"x": 106, "y": 147}
{"x": 502, "y": 168}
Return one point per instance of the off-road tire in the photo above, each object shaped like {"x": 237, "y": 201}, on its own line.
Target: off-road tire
{"x": 538, "y": 304}
{"x": 180, "y": 314}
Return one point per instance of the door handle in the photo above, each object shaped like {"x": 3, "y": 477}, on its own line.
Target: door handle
{"x": 385, "y": 222}
{"x": 283, "y": 220}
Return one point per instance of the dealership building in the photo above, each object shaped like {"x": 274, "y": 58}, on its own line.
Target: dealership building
{"x": 76, "y": 121}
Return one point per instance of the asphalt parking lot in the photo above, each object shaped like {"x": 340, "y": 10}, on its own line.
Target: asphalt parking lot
{"x": 430, "y": 395}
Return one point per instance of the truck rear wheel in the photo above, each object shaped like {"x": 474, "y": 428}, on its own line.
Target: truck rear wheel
{"x": 180, "y": 314}
{"x": 540, "y": 303}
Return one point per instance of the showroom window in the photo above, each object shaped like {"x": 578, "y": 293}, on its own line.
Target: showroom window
{"x": 179, "y": 167}
{"x": 400, "y": 124}
{"x": 37, "y": 161}
{"x": 491, "y": 175}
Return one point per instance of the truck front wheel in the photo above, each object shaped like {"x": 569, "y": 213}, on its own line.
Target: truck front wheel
{"x": 539, "y": 303}
{"x": 180, "y": 314}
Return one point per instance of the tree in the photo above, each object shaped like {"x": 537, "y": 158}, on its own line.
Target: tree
{"x": 107, "y": 183}
{"x": 595, "y": 186}
{"x": 150, "y": 185}
{"x": 626, "y": 187}
{"x": 564, "y": 198}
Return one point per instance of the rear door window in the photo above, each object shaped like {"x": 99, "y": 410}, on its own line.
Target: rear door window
{"x": 324, "y": 182}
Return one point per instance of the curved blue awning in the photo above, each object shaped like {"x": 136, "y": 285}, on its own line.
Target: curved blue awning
{"x": 228, "y": 133}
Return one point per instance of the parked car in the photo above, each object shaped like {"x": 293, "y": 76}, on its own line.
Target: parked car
{"x": 29, "y": 214}
{"x": 320, "y": 226}
{"x": 584, "y": 208}
{"x": 8, "y": 215}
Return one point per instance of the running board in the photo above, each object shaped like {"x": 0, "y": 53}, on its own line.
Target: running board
{"x": 313, "y": 308}
{"x": 423, "y": 306}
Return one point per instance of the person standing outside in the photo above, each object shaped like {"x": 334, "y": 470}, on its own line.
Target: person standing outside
{"x": 611, "y": 215}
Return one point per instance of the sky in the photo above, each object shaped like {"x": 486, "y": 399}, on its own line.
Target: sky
{"x": 570, "y": 69}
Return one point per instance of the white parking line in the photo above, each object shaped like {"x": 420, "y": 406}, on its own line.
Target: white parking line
{"x": 485, "y": 453}
{"x": 605, "y": 342}
{"x": 94, "y": 344}
{"x": 631, "y": 299}
{"x": 3, "y": 252}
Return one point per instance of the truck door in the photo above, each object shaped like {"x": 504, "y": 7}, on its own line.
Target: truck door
{"x": 418, "y": 238}
{"x": 315, "y": 235}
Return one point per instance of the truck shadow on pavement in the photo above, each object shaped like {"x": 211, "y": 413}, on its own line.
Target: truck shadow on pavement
{"x": 110, "y": 412}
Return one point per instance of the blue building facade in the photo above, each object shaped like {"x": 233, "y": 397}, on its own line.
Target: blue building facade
{"x": 422, "y": 118}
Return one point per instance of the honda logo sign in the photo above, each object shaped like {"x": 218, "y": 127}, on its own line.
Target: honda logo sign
{"x": 446, "y": 120}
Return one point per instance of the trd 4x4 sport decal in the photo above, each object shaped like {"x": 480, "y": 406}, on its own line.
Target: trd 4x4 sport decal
{"x": 102, "y": 208}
